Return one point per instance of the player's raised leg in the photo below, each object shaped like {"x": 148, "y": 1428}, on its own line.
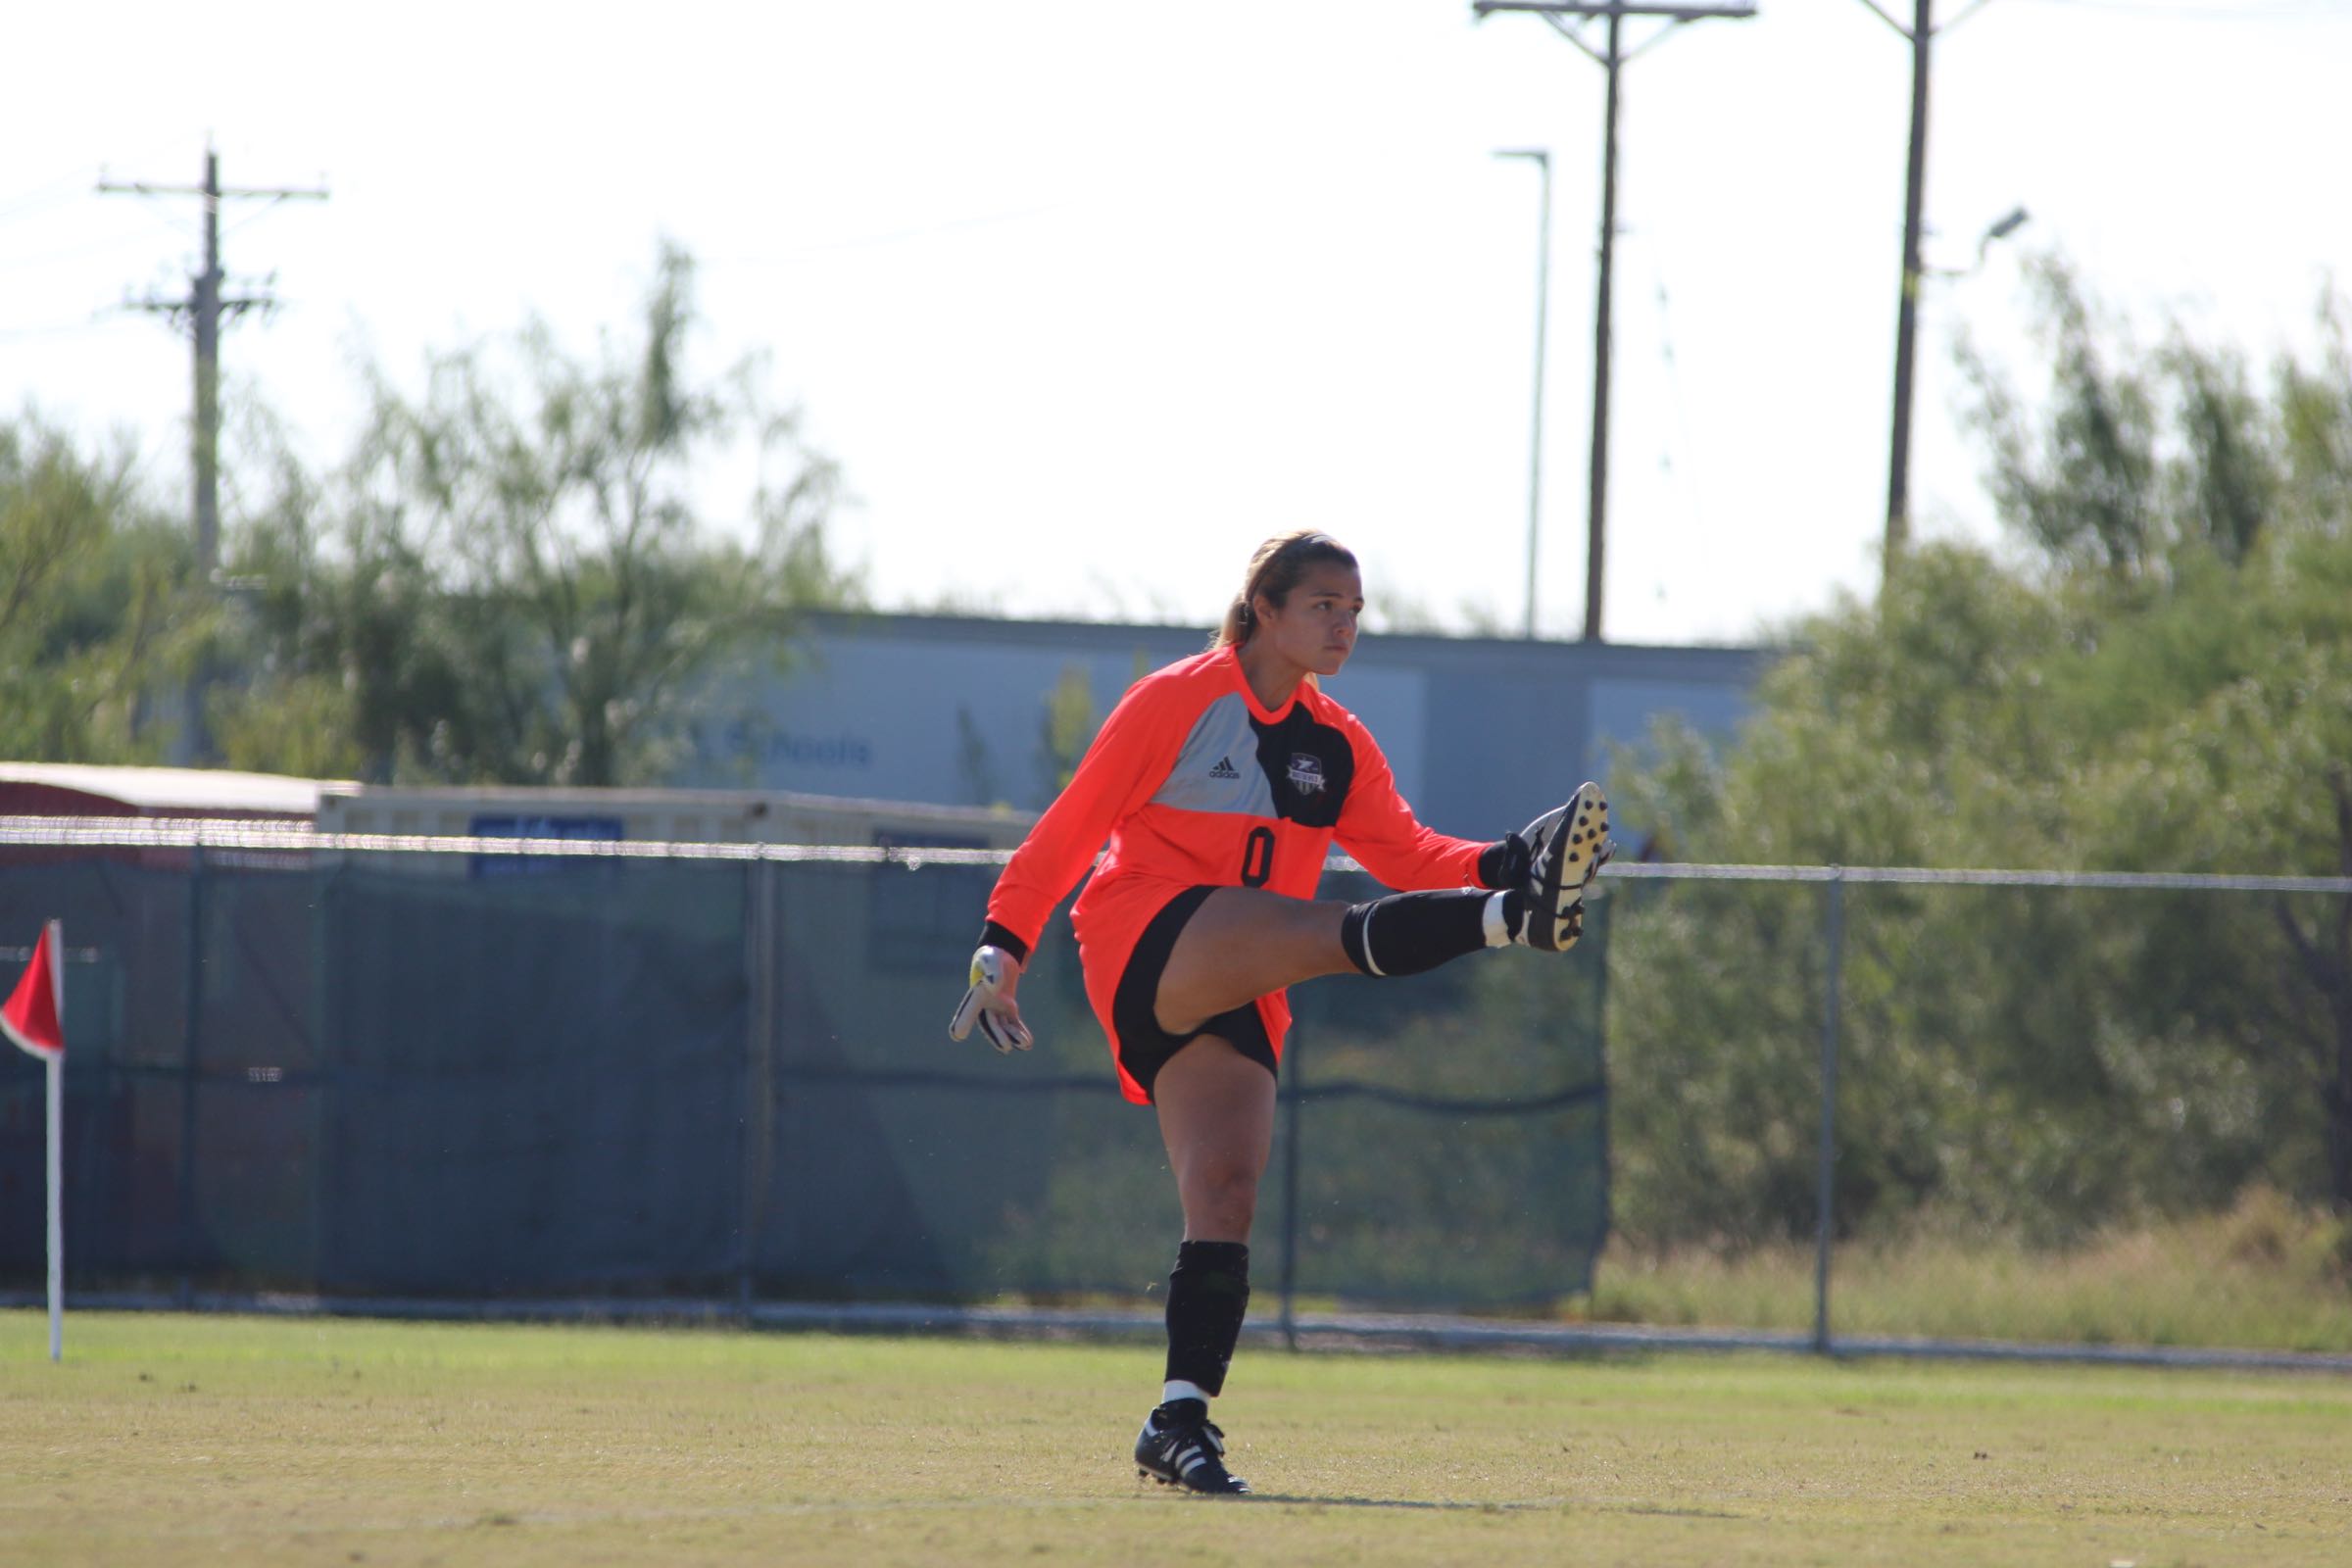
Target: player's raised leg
{"x": 1243, "y": 943}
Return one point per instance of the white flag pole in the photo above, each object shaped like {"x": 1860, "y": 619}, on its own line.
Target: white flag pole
{"x": 57, "y": 1150}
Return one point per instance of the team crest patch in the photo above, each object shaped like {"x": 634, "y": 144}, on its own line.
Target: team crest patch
{"x": 1306, "y": 772}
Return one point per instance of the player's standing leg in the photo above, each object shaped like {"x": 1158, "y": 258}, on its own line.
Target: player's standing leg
{"x": 1216, "y": 1116}
{"x": 1216, "y": 1104}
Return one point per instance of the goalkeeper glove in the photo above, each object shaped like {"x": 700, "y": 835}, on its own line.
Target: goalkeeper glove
{"x": 1503, "y": 864}
{"x": 989, "y": 1002}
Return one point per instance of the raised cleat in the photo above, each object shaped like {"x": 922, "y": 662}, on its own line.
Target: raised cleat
{"x": 1568, "y": 846}
{"x": 1177, "y": 1451}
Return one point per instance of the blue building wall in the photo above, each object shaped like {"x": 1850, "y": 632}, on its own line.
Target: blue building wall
{"x": 1482, "y": 732}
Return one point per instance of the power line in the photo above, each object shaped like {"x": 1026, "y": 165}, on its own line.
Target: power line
{"x": 2209, "y": 11}
{"x": 83, "y": 247}
{"x": 57, "y": 191}
{"x": 898, "y": 236}
{"x": 79, "y": 323}
{"x": 41, "y": 197}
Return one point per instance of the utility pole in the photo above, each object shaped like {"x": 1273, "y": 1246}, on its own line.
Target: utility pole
{"x": 1921, "y": 34}
{"x": 203, "y": 307}
{"x": 1612, "y": 59}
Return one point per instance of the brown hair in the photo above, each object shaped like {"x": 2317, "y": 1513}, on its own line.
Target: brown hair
{"x": 1274, "y": 572}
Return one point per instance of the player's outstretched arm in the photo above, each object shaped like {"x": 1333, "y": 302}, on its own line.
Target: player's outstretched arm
{"x": 989, "y": 1002}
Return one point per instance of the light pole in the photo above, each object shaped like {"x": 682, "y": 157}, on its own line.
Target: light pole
{"x": 1541, "y": 158}
{"x": 1916, "y": 273}
{"x": 2001, "y": 228}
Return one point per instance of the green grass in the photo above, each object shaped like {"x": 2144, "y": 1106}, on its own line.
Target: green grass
{"x": 2267, "y": 1275}
{"x": 166, "y": 1439}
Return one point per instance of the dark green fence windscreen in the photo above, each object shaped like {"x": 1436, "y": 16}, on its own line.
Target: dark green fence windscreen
{"x": 498, "y": 1077}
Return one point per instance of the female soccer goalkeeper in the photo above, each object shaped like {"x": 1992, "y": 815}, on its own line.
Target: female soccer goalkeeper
{"x": 1220, "y": 782}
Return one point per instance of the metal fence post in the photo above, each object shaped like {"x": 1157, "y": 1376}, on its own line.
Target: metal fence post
{"x": 759, "y": 1071}
{"x": 1294, "y": 1094}
{"x": 188, "y": 1074}
{"x": 1829, "y": 1005}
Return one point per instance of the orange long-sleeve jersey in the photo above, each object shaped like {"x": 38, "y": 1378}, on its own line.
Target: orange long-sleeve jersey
{"x": 1193, "y": 782}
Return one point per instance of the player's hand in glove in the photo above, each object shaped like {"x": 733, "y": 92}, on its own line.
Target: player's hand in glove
{"x": 995, "y": 974}
{"x": 1503, "y": 864}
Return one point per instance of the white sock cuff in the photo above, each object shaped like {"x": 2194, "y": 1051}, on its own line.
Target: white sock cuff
{"x": 1499, "y": 928}
{"x": 1177, "y": 1388}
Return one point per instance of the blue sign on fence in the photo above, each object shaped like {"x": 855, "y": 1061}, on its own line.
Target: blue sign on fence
{"x": 511, "y": 826}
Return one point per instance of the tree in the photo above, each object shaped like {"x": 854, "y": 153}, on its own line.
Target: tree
{"x": 96, "y": 618}
{"x": 2159, "y": 679}
{"x": 2220, "y": 712}
{"x": 511, "y": 580}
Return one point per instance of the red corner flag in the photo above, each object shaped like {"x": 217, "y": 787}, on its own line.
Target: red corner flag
{"x": 30, "y": 1016}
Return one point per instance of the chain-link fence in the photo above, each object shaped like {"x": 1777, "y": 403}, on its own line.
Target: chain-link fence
{"x": 1839, "y": 1104}
{"x": 449, "y": 1069}
{"x": 2043, "y": 1106}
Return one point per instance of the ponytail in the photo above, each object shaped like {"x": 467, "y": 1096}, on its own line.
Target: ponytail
{"x": 1274, "y": 570}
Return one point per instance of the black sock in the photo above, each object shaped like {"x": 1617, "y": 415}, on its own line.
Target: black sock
{"x": 1407, "y": 933}
{"x": 1208, "y": 1292}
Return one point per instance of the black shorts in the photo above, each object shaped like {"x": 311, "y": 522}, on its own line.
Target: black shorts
{"x": 1143, "y": 1046}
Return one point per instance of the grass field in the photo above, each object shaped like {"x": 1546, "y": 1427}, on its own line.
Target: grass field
{"x": 2264, "y": 1275}
{"x": 168, "y": 1439}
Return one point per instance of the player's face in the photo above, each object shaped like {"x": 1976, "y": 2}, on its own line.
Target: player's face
{"x": 1315, "y": 628}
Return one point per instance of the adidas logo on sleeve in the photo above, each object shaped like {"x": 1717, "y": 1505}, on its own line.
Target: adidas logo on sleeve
{"x": 1224, "y": 769}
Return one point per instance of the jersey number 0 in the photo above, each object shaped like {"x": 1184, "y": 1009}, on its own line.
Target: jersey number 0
{"x": 1257, "y": 858}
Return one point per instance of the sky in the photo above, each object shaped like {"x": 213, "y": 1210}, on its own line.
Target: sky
{"x": 1087, "y": 298}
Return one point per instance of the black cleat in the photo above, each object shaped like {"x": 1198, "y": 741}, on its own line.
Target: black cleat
{"x": 1569, "y": 844}
{"x": 1185, "y": 1451}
